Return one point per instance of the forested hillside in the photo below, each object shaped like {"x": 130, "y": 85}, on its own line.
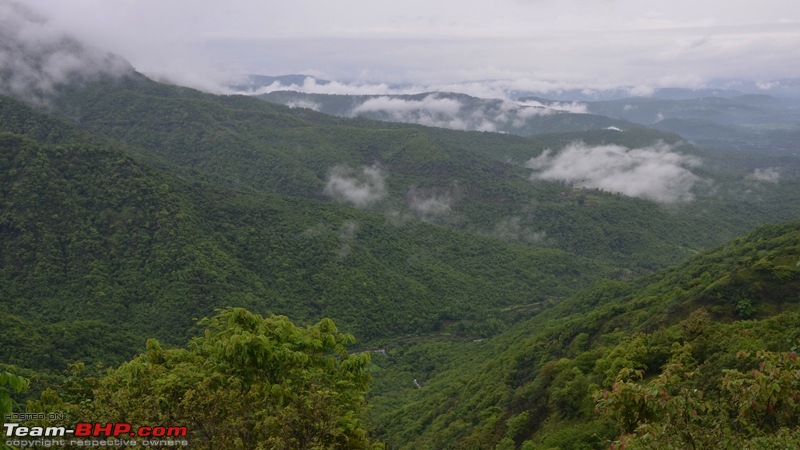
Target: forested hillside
{"x": 91, "y": 234}
{"x": 454, "y": 111}
{"x": 130, "y": 209}
{"x": 569, "y": 378}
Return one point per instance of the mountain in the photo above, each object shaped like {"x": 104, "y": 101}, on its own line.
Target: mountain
{"x": 454, "y": 111}
{"x": 253, "y": 82}
{"x": 495, "y": 279}
{"x": 531, "y": 387}
{"x": 719, "y": 119}
{"x": 93, "y": 234}
{"x": 35, "y": 60}
{"x": 178, "y": 202}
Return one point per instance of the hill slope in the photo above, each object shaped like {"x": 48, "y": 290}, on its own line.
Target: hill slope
{"x": 533, "y": 384}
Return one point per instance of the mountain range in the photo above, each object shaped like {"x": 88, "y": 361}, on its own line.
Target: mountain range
{"x": 499, "y": 272}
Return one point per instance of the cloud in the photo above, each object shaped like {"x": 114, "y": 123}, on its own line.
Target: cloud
{"x": 769, "y": 175}
{"x": 429, "y": 203}
{"x": 456, "y": 111}
{"x": 547, "y": 45}
{"x": 656, "y": 173}
{"x": 308, "y": 104}
{"x": 361, "y": 188}
{"x": 347, "y": 235}
{"x": 311, "y": 85}
{"x": 571, "y": 107}
{"x": 432, "y": 104}
{"x": 35, "y": 59}
{"x": 432, "y": 110}
{"x": 511, "y": 229}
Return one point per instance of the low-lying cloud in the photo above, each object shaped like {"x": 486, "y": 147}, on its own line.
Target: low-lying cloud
{"x": 656, "y": 173}
{"x": 35, "y": 58}
{"x": 454, "y": 112}
{"x": 512, "y": 229}
{"x": 432, "y": 110}
{"x": 768, "y": 175}
{"x": 362, "y": 188}
{"x": 308, "y": 104}
{"x": 429, "y": 203}
{"x": 431, "y": 104}
{"x": 571, "y": 107}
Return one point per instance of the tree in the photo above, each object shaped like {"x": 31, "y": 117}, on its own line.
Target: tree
{"x": 250, "y": 382}
{"x": 10, "y": 384}
{"x": 756, "y": 410}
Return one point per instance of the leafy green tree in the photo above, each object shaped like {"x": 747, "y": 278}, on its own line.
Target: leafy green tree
{"x": 10, "y": 384}
{"x": 250, "y": 382}
{"x": 752, "y": 410}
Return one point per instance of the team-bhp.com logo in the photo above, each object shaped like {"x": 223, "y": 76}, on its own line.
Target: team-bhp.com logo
{"x": 88, "y": 433}
{"x": 88, "y": 429}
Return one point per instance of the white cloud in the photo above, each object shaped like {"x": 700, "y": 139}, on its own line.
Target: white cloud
{"x": 361, "y": 188}
{"x": 308, "y": 104}
{"x": 347, "y": 235}
{"x": 312, "y": 86}
{"x": 657, "y": 172}
{"x": 433, "y": 111}
{"x": 429, "y": 203}
{"x": 769, "y": 175}
{"x": 398, "y": 107}
{"x": 35, "y": 58}
{"x": 546, "y": 45}
{"x": 511, "y": 229}
{"x": 572, "y": 107}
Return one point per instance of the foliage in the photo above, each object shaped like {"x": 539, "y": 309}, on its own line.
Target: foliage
{"x": 533, "y": 384}
{"x": 249, "y": 382}
{"x": 132, "y": 207}
{"x": 10, "y": 384}
{"x": 756, "y": 409}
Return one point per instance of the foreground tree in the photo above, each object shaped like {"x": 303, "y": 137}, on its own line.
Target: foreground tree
{"x": 249, "y": 383}
{"x": 750, "y": 410}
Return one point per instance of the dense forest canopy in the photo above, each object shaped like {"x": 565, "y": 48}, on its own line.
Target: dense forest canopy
{"x": 501, "y": 295}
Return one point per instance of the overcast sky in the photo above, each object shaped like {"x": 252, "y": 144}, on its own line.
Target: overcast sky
{"x": 533, "y": 44}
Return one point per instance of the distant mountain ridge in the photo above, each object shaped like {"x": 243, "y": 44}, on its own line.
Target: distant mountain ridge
{"x": 454, "y": 111}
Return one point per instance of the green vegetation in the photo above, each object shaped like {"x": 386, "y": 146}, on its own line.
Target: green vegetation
{"x": 500, "y": 312}
{"x": 756, "y": 409}
{"x": 536, "y": 386}
{"x": 250, "y": 382}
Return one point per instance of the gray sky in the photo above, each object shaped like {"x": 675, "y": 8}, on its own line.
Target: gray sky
{"x": 531, "y": 44}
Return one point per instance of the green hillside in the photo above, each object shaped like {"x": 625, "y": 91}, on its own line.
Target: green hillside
{"x": 532, "y": 386}
{"x": 477, "y": 179}
{"x": 93, "y": 234}
{"x": 494, "y": 303}
{"x": 450, "y": 110}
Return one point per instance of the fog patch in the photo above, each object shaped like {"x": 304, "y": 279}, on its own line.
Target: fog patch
{"x": 432, "y": 110}
{"x": 307, "y": 104}
{"x": 768, "y": 175}
{"x": 444, "y": 111}
{"x": 347, "y": 235}
{"x": 570, "y": 107}
{"x": 430, "y": 203}
{"x": 511, "y": 229}
{"x": 35, "y": 59}
{"x": 362, "y": 188}
{"x": 656, "y": 173}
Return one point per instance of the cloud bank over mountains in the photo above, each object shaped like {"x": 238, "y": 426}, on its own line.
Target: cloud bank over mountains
{"x": 466, "y": 46}
{"x": 451, "y": 110}
{"x": 35, "y": 59}
{"x": 657, "y": 173}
